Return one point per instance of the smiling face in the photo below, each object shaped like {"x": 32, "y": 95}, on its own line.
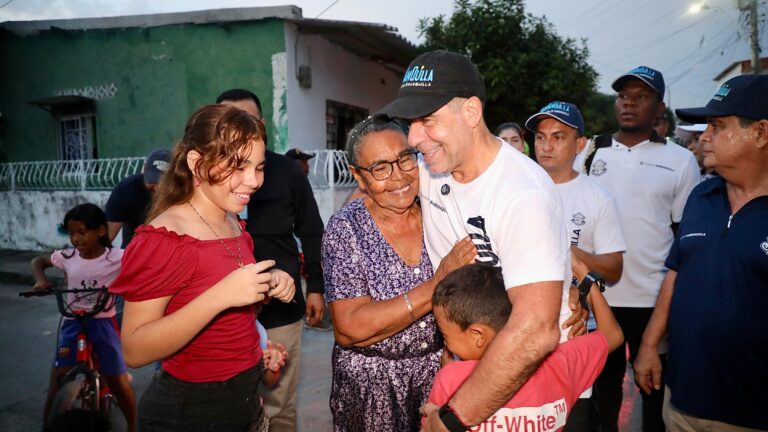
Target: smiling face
{"x": 398, "y": 192}
{"x": 233, "y": 193}
{"x": 440, "y": 137}
{"x": 637, "y": 107}
{"x": 557, "y": 145}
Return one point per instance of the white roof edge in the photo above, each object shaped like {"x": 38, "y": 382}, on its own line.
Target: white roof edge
{"x": 156, "y": 20}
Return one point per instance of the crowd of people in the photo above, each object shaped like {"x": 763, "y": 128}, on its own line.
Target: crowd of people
{"x": 474, "y": 281}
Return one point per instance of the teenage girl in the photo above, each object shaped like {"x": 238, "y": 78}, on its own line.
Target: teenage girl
{"x": 190, "y": 282}
{"x": 91, "y": 263}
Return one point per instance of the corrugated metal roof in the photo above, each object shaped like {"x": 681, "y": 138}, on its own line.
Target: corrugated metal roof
{"x": 376, "y": 42}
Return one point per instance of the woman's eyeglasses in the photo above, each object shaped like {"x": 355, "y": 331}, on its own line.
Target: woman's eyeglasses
{"x": 407, "y": 161}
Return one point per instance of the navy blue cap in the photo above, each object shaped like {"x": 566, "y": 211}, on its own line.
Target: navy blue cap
{"x": 742, "y": 96}
{"x": 564, "y": 112}
{"x": 653, "y": 78}
{"x": 155, "y": 165}
{"x": 431, "y": 81}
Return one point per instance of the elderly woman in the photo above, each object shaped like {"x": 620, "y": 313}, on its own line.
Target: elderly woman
{"x": 379, "y": 284}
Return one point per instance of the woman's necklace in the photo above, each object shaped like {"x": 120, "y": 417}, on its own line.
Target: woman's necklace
{"x": 408, "y": 260}
{"x": 239, "y": 256}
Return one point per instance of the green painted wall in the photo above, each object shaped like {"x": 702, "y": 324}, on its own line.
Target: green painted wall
{"x": 162, "y": 74}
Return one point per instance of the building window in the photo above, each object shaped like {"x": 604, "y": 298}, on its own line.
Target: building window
{"x": 76, "y": 137}
{"x": 340, "y": 118}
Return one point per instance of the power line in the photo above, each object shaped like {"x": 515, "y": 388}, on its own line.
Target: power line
{"x": 326, "y": 9}
{"x": 6, "y": 4}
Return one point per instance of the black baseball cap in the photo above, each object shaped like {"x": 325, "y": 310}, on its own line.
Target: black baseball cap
{"x": 431, "y": 81}
{"x": 564, "y": 112}
{"x": 651, "y": 77}
{"x": 155, "y": 165}
{"x": 297, "y": 154}
{"x": 743, "y": 96}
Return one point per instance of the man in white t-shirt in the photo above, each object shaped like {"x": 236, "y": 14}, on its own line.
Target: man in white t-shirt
{"x": 479, "y": 187}
{"x": 590, "y": 212}
{"x": 650, "y": 179}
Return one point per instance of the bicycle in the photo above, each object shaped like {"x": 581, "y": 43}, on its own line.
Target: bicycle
{"x": 81, "y": 387}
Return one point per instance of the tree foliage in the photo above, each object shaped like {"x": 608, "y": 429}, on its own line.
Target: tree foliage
{"x": 524, "y": 62}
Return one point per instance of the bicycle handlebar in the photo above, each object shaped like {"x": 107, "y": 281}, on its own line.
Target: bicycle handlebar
{"x": 66, "y": 308}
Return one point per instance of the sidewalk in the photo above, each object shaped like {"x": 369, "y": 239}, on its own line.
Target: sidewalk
{"x": 315, "y": 368}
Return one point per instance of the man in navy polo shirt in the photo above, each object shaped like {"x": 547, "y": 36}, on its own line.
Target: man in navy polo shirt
{"x": 713, "y": 299}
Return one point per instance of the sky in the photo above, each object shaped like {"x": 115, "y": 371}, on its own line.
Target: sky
{"x": 690, "y": 49}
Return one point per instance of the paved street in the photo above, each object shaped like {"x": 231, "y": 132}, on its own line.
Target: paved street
{"x": 28, "y": 335}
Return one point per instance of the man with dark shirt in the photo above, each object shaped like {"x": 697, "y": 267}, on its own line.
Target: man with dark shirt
{"x": 129, "y": 202}
{"x": 283, "y": 207}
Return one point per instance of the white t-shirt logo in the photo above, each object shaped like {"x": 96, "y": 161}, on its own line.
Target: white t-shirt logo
{"x": 764, "y": 246}
{"x": 578, "y": 219}
{"x": 599, "y": 167}
{"x": 485, "y": 253}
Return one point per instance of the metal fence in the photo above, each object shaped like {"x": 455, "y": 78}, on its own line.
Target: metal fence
{"x": 86, "y": 174}
{"x": 328, "y": 169}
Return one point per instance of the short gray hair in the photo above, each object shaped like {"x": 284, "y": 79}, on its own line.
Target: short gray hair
{"x": 370, "y": 125}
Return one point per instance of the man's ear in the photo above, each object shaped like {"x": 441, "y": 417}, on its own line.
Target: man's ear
{"x": 193, "y": 158}
{"x": 581, "y": 142}
{"x": 472, "y": 111}
{"x": 761, "y": 134}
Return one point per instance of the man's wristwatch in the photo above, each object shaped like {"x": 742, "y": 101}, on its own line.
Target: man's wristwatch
{"x": 589, "y": 279}
{"x": 450, "y": 419}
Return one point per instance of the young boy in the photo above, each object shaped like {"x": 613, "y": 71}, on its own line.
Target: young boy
{"x": 470, "y": 306}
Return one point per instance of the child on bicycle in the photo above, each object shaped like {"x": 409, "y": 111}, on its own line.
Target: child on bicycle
{"x": 91, "y": 263}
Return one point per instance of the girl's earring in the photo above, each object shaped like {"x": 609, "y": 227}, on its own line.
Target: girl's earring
{"x": 197, "y": 182}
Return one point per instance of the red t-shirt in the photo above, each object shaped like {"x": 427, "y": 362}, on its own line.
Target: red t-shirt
{"x": 159, "y": 263}
{"x": 543, "y": 403}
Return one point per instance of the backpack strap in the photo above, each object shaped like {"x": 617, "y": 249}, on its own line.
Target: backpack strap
{"x": 597, "y": 142}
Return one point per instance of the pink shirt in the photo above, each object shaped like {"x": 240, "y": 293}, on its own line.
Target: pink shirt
{"x": 544, "y": 402}
{"x": 88, "y": 273}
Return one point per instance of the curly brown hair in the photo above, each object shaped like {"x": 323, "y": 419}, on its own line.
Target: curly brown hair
{"x": 222, "y": 135}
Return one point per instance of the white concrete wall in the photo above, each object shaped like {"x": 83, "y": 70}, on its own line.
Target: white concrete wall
{"x": 30, "y": 219}
{"x": 336, "y": 75}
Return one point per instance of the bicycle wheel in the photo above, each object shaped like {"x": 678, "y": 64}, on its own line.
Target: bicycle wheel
{"x": 75, "y": 394}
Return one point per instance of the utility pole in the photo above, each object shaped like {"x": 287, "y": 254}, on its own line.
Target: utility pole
{"x": 750, "y": 6}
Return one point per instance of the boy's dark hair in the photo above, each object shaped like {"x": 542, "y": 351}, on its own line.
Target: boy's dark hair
{"x": 79, "y": 420}
{"x": 474, "y": 294}
{"x": 238, "y": 95}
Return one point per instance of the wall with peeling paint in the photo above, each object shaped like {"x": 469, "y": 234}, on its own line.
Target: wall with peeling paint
{"x": 336, "y": 75}
{"x": 30, "y": 219}
{"x": 146, "y": 81}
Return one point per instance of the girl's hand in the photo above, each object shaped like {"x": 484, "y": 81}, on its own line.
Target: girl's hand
{"x": 275, "y": 356}
{"x": 281, "y": 286}
{"x": 244, "y": 286}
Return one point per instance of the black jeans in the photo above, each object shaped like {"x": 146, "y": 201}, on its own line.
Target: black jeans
{"x": 170, "y": 404}
{"x": 608, "y": 387}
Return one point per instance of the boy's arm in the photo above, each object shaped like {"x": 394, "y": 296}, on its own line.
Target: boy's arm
{"x": 606, "y": 322}
{"x": 39, "y": 264}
